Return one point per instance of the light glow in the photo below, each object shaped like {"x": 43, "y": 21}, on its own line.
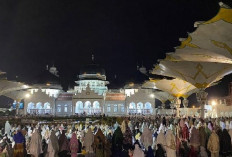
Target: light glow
{"x": 27, "y": 95}
{"x": 214, "y": 103}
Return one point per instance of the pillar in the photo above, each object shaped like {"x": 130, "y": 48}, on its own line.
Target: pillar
{"x": 202, "y": 98}
{"x": 185, "y": 104}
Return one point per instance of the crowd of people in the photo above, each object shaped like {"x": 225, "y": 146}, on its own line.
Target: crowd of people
{"x": 158, "y": 136}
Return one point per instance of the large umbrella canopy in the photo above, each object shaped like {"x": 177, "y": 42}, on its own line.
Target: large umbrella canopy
{"x": 199, "y": 74}
{"x": 197, "y": 55}
{"x": 210, "y": 38}
{"x": 175, "y": 87}
{"x": 17, "y": 94}
{"x": 163, "y": 96}
{"x": 10, "y": 86}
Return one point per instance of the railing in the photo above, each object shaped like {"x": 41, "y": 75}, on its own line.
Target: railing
{"x": 139, "y": 111}
{"x": 88, "y": 111}
{"x": 40, "y": 111}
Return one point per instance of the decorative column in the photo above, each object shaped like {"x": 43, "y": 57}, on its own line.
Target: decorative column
{"x": 177, "y": 103}
{"x": 172, "y": 106}
{"x": 202, "y": 99}
{"x": 185, "y": 104}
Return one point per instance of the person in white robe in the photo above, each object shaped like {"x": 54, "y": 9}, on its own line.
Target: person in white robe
{"x": 7, "y": 128}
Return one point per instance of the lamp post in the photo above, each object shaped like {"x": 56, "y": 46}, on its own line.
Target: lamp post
{"x": 202, "y": 98}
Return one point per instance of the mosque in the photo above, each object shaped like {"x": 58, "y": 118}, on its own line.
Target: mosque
{"x": 90, "y": 96}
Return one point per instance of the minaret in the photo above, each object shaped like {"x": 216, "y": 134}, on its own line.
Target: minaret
{"x": 92, "y": 58}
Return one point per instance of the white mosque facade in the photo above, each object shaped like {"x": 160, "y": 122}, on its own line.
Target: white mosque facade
{"x": 90, "y": 96}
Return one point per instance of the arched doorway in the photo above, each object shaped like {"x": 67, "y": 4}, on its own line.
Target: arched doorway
{"x": 147, "y": 108}
{"x": 132, "y": 107}
{"x": 39, "y": 108}
{"x": 87, "y": 107}
{"x": 140, "y": 107}
{"x": 79, "y": 107}
{"x": 96, "y": 107}
{"x": 30, "y": 107}
{"x": 47, "y": 108}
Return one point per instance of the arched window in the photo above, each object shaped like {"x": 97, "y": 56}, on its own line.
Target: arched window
{"x": 139, "y": 107}
{"x": 47, "y": 105}
{"x": 79, "y": 107}
{"x": 148, "y": 105}
{"x": 148, "y": 108}
{"x": 39, "y": 105}
{"x": 88, "y": 107}
{"x": 30, "y": 106}
{"x": 96, "y": 105}
{"x": 132, "y": 105}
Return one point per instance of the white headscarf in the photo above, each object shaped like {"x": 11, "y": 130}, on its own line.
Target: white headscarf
{"x": 223, "y": 125}
{"x": 7, "y": 128}
{"x": 230, "y": 127}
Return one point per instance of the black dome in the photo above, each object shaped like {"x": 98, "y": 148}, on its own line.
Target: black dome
{"x": 46, "y": 78}
{"x": 92, "y": 69}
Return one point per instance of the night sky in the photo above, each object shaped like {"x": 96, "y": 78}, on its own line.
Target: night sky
{"x": 120, "y": 33}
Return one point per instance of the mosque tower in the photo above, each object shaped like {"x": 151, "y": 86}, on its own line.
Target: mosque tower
{"x": 92, "y": 75}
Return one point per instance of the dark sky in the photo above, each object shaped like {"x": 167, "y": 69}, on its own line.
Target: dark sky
{"x": 121, "y": 33}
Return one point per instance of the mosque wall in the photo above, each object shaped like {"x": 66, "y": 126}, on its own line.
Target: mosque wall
{"x": 115, "y": 108}
{"x": 39, "y": 103}
{"x": 63, "y": 108}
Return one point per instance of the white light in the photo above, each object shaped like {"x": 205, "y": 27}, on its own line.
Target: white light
{"x": 27, "y": 95}
{"x": 213, "y": 103}
{"x": 152, "y": 95}
{"x": 25, "y": 86}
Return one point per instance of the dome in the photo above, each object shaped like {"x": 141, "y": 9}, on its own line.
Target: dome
{"x": 92, "y": 69}
{"x": 47, "y": 78}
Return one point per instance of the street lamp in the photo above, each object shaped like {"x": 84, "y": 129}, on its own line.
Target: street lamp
{"x": 202, "y": 98}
